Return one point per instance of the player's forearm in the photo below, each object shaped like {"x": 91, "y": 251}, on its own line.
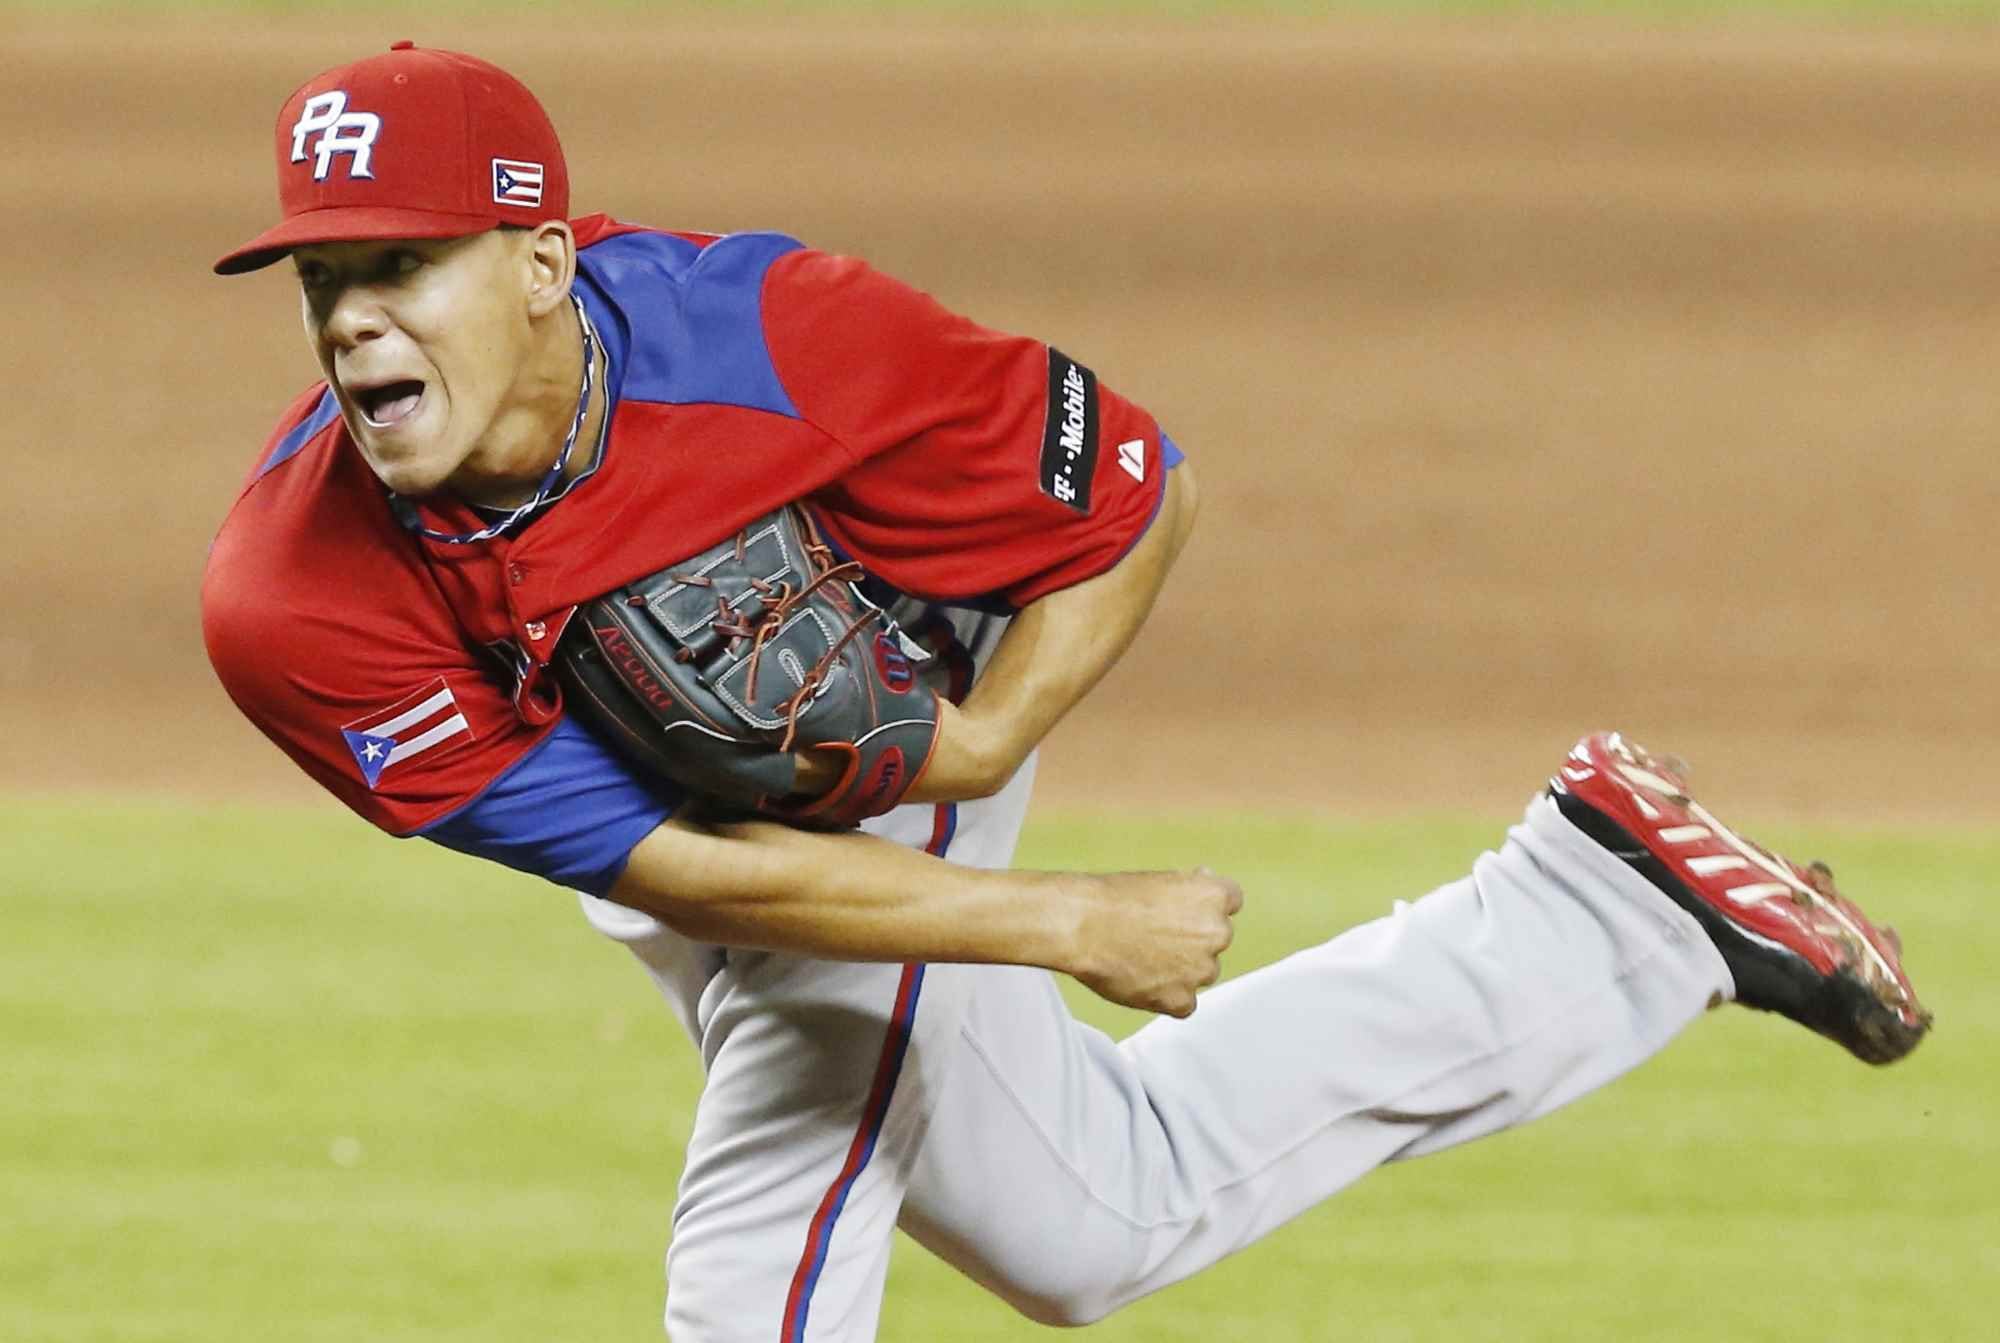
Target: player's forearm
{"x": 849, "y": 896}
{"x": 1054, "y": 651}
{"x": 1149, "y": 940}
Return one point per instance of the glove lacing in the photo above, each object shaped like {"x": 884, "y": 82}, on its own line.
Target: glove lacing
{"x": 780, "y": 600}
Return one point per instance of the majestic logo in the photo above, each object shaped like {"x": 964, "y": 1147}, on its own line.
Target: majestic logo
{"x": 1069, "y": 432}
{"x": 1132, "y": 456}
{"x": 417, "y": 724}
{"x": 517, "y": 183}
{"x": 340, "y": 132}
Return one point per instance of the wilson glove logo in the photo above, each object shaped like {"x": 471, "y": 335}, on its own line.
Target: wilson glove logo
{"x": 891, "y": 665}
{"x": 883, "y": 781}
{"x": 1069, "y": 433}
{"x": 340, "y": 132}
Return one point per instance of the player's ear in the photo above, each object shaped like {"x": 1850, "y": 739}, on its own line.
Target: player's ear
{"x": 549, "y": 252}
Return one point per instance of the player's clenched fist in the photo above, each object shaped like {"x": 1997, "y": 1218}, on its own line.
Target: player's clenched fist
{"x": 1152, "y": 939}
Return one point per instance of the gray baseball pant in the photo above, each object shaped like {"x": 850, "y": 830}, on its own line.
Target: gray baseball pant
{"x": 1069, "y": 1173}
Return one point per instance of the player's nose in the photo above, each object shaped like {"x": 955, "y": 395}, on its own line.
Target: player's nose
{"x": 354, "y": 318}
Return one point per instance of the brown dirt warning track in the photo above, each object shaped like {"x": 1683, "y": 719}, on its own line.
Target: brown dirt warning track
{"x": 1539, "y": 377}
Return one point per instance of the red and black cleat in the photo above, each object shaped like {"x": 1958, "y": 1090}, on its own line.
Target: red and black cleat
{"x": 1794, "y": 944}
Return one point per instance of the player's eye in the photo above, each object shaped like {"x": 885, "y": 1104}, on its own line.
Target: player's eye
{"x": 402, "y": 261}
{"x": 314, "y": 274}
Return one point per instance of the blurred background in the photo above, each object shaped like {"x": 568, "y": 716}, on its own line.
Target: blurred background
{"x": 1546, "y": 367}
{"x": 1544, "y": 371}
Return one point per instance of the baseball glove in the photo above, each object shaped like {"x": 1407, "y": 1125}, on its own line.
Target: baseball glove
{"x": 713, "y": 672}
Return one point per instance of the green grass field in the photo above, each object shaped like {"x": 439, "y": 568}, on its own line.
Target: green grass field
{"x": 271, "y": 1076}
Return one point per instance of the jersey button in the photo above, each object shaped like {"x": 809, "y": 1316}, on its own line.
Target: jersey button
{"x": 536, "y": 630}
{"x": 516, "y": 575}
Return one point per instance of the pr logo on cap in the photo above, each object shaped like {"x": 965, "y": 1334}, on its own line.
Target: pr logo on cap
{"x": 340, "y": 132}
{"x": 412, "y": 143}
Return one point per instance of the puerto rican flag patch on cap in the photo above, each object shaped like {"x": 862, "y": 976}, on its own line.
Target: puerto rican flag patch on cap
{"x": 420, "y": 723}
{"x": 517, "y": 183}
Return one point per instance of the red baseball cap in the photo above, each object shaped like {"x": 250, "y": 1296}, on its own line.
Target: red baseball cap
{"x": 411, "y": 144}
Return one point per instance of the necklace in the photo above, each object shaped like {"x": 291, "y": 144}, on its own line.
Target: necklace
{"x": 553, "y": 486}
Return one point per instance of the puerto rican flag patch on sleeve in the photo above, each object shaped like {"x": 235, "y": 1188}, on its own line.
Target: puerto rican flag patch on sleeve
{"x": 517, "y": 183}
{"x": 423, "y": 722}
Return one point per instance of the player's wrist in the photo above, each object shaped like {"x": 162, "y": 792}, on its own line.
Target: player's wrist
{"x": 1072, "y": 917}
{"x": 969, "y": 759}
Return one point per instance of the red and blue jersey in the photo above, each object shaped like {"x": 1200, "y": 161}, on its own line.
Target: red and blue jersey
{"x": 961, "y": 466}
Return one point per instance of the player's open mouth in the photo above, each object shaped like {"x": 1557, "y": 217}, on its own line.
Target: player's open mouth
{"x": 390, "y": 404}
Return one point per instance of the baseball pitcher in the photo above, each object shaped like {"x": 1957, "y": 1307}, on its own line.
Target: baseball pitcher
{"x": 732, "y": 585}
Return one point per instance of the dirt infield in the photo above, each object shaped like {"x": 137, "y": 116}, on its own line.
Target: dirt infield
{"x": 1538, "y": 377}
